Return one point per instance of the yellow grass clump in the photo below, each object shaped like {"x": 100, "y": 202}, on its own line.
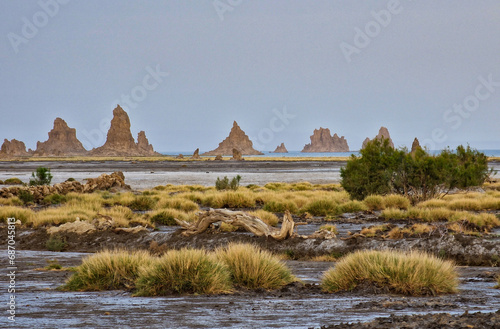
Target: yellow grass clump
{"x": 178, "y": 203}
{"x": 266, "y": 216}
{"x": 108, "y": 270}
{"x": 394, "y": 213}
{"x": 374, "y": 202}
{"x": 408, "y": 273}
{"x": 24, "y": 215}
{"x": 69, "y": 212}
{"x": 252, "y": 267}
{"x": 185, "y": 271}
{"x": 396, "y": 201}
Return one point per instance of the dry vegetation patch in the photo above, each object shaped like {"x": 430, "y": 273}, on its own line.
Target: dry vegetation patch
{"x": 413, "y": 273}
{"x": 252, "y": 267}
{"x": 108, "y": 270}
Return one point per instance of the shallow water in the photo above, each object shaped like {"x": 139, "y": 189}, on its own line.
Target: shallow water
{"x": 40, "y": 306}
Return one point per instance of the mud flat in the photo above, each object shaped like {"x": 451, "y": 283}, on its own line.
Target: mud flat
{"x": 144, "y": 175}
{"x": 299, "y": 305}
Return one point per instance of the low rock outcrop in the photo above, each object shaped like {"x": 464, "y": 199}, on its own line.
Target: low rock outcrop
{"x": 115, "y": 180}
{"x": 382, "y": 133}
{"x": 62, "y": 142}
{"x": 119, "y": 141}
{"x": 13, "y": 148}
{"x": 281, "y": 149}
{"x": 322, "y": 141}
{"x": 237, "y": 139}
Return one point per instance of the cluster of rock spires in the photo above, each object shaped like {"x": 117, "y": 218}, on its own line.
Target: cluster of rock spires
{"x": 120, "y": 142}
{"x": 63, "y": 141}
{"x": 323, "y": 141}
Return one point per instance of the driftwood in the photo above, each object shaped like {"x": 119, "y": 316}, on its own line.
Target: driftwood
{"x": 239, "y": 219}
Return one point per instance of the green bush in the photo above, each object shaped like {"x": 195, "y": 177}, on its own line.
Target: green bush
{"x": 419, "y": 176}
{"x": 225, "y": 184}
{"x": 41, "y": 176}
{"x": 26, "y": 197}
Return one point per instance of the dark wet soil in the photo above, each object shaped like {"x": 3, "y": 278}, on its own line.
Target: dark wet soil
{"x": 298, "y": 305}
{"x": 464, "y": 250}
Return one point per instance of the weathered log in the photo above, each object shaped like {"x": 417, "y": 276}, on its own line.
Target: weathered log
{"x": 250, "y": 223}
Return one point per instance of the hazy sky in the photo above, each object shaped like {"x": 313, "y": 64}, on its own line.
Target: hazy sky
{"x": 185, "y": 70}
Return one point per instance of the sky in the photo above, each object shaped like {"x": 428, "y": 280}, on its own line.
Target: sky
{"x": 185, "y": 70}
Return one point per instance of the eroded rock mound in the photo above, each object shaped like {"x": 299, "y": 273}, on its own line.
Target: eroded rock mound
{"x": 62, "y": 142}
{"x": 119, "y": 141}
{"x": 382, "y": 133}
{"x": 237, "y": 139}
{"x": 322, "y": 141}
{"x": 13, "y": 148}
{"x": 281, "y": 149}
{"x": 196, "y": 154}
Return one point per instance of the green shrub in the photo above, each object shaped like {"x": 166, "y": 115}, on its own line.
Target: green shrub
{"x": 56, "y": 243}
{"x": 108, "y": 270}
{"x": 13, "y": 181}
{"x": 41, "y": 176}
{"x": 418, "y": 176}
{"x": 252, "y": 267}
{"x": 184, "y": 271}
{"x": 26, "y": 197}
{"x": 225, "y": 184}
{"x": 413, "y": 273}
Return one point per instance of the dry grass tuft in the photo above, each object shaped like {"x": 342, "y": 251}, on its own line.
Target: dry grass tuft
{"x": 185, "y": 271}
{"x": 108, "y": 270}
{"x": 266, "y": 216}
{"x": 414, "y": 273}
{"x": 253, "y": 268}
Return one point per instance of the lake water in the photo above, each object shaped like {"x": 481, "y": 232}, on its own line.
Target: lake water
{"x": 291, "y": 154}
